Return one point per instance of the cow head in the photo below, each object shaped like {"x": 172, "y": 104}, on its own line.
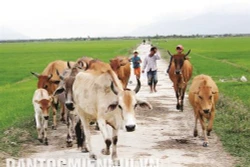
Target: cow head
{"x": 127, "y": 103}
{"x": 116, "y": 63}
{"x": 44, "y": 106}
{"x": 205, "y": 98}
{"x": 45, "y": 82}
{"x": 178, "y": 61}
{"x": 66, "y": 87}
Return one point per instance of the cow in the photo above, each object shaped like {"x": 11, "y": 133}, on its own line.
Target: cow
{"x": 49, "y": 80}
{"x": 121, "y": 66}
{"x": 100, "y": 96}
{"x": 41, "y": 103}
{"x": 180, "y": 73}
{"x": 203, "y": 95}
{"x": 64, "y": 91}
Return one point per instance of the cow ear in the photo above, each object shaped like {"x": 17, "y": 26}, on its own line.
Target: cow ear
{"x": 214, "y": 92}
{"x": 196, "y": 92}
{"x": 51, "y": 98}
{"x": 144, "y": 104}
{"x": 58, "y": 91}
{"x": 123, "y": 63}
{"x": 112, "y": 106}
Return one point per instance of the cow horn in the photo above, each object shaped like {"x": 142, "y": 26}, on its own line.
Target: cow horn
{"x": 169, "y": 53}
{"x": 50, "y": 76}
{"x": 138, "y": 86}
{"x": 86, "y": 66}
{"x": 113, "y": 89}
{"x": 61, "y": 77}
{"x": 35, "y": 74}
{"x": 80, "y": 64}
{"x": 188, "y": 53}
{"x": 68, "y": 64}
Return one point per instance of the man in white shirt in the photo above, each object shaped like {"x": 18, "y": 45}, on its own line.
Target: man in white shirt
{"x": 151, "y": 65}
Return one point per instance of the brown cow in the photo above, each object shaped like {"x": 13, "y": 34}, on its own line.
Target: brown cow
{"x": 180, "y": 73}
{"x": 49, "y": 80}
{"x": 203, "y": 95}
{"x": 121, "y": 66}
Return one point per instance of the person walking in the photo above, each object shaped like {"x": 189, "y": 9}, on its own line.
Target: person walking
{"x": 150, "y": 65}
{"x": 136, "y": 60}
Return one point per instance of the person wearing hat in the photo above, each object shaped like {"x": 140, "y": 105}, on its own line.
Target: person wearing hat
{"x": 179, "y": 50}
{"x": 136, "y": 60}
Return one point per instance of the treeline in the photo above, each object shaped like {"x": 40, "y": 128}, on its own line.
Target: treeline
{"x": 125, "y": 37}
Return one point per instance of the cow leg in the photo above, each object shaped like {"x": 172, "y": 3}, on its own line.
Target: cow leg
{"x": 85, "y": 125}
{"x": 54, "y": 116}
{"x": 63, "y": 115}
{"x": 177, "y": 96}
{"x": 182, "y": 98}
{"x": 210, "y": 122}
{"x": 45, "y": 128}
{"x": 80, "y": 137}
{"x": 195, "y": 125}
{"x": 73, "y": 123}
{"x": 114, "y": 150}
{"x": 204, "y": 129}
{"x": 178, "y": 102}
{"x": 69, "y": 139}
{"x": 38, "y": 127}
{"x": 103, "y": 128}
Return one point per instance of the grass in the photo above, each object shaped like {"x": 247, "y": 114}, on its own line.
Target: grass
{"x": 225, "y": 59}
{"x": 17, "y": 85}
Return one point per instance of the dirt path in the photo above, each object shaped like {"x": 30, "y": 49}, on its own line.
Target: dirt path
{"x": 163, "y": 133}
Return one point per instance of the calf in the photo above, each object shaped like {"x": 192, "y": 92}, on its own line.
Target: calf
{"x": 203, "y": 95}
{"x": 42, "y": 102}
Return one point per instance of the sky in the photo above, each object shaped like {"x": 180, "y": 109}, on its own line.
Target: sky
{"x": 82, "y": 18}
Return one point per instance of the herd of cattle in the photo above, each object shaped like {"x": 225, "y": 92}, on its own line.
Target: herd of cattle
{"x": 90, "y": 90}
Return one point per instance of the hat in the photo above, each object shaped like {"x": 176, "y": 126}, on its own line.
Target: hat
{"x": 135, "y": 51}
{"x": 180, "y": 46}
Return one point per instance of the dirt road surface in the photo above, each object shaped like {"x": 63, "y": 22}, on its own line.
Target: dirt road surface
{"x": 163, "y": 133}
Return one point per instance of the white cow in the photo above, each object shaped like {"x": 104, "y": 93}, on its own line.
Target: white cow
{"x": 42, "y": 102}
{"x": 99, "y": 96}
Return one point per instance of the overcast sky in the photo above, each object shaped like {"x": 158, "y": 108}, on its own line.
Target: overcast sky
{"x": 80, "y": 18}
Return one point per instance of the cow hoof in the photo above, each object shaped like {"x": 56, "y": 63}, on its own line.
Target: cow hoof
{"x": 93, "y": 157}
{"x": 195, "y": 133}
{"x": 178, "y": 106}
{"x": 116, "y": 162}
{"x": 69, "y": 144}
{"x": 53, "y": 127}
{"x": 41, "y": 140}
{"x": 85, "y": 150}
{"x": 205, "y": 144}
{"x": 105, "y": 151}
{"x": 46, "y": 142}
{"x": 208, "y": 133}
